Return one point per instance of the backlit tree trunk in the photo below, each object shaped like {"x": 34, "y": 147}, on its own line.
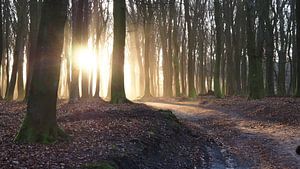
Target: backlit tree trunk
{"x": 40, "y": 123}
{"x": 117, "y": 83}
{"x": 77, "y": 17}
{"x": 19, "y": 46}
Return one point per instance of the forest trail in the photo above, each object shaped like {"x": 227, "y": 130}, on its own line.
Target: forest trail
{"x": 242, "y": 141}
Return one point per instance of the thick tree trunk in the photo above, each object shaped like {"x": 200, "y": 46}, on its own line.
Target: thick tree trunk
{"x": 40, "y": 123}
{"x": 256, "y": 88}
{"x": 117, "y": 83}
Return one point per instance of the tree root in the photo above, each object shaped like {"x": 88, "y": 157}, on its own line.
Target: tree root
{"x": 43, "y": 135}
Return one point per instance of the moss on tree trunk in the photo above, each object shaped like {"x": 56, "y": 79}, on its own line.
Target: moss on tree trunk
{"x": 45, "y": 134}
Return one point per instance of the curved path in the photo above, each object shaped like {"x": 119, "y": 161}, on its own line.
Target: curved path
{"x": 240, "y": 142}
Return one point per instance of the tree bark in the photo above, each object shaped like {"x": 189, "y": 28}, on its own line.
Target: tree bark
{"x": 191, "y": 57}
{"x": 77, "y": 19}
{"x": 34, "y": 29}
{"x": 256, "y": 89}
{"x": 270, "y": 89}
{"x": 218, "y": 21}
{"x": 298, "y": 48}
{"x": 40, "y": 124}
{"x": 148, "y": 14}
{"x": 1, "y": 41}
{"x": 19, "y": 44}
{"x": 117, "y": 83}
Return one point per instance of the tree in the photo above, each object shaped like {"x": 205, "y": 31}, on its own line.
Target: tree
{"x": 40, "y": 124}
{"x": 256, "y": 89}
{"x": 84, "y": 43}
{"x": 19, "y": 45}
{"x": 191, "y": 57}
{"x": 269, "y": 52}
{"x": 218, "y": 20}
{"x": 77, "y": 24}
{"x": 117, "y": 83}
{"x": 34, "y": 12}
{"x": 298, "y": 47}
{"x": 148, "y": 17}
{"x": 1, "y": 37}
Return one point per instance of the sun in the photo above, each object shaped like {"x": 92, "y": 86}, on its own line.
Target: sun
{"x": 85, "y": 59}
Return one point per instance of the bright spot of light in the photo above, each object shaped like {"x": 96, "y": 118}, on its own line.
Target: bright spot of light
{"x": 86, "y": 59}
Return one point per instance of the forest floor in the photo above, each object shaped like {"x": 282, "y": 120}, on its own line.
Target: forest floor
{"x": 103, "y": 136}
{"x": 210, "y": 133}
{"x": 250, "y": 134}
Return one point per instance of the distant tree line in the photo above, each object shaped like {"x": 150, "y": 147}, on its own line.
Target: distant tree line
{"x": 173, "y": 48}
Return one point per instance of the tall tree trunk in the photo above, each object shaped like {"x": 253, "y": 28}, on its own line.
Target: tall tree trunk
{"x": 40, "y": 124}
{"x": 19, "y": 44}
{"x": 256, "y": 88}
{"x": 238, "y": 47}
{"x": 21, "y": 91}
{"x": 183, "y": 64}
{"x": 191, "y": 57}
{"x": 298, "y": 47}
{"x": 7, "y": 17}
{"x": 229, "y": 46}
{"x": 218, "y": 21}
{"x": 34, "y": 29}
{"x": 77, "y": 19}
{"x": 270, "y": 89}
{"x": 176, "y": 52}
{"x": 85, "y": 74}
{"x": 117, "y": 83}
{"x": 1, "y": 43}
{"x": 281, "y": 53}
{"x": 148, "y": 14}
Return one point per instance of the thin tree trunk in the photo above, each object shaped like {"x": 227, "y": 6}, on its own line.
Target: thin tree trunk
{"x": 298, "y": 48}
{"x": 77, "y": 19}
{"x": 218, "y": 21}
{"x": 191, "y": 57}
{"x": 270, "y": 89}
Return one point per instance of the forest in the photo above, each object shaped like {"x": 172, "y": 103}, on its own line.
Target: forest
{"x": 149, "y": 84}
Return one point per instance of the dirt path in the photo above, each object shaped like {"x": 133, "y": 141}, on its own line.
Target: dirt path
{"x": 242, "y": 142}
